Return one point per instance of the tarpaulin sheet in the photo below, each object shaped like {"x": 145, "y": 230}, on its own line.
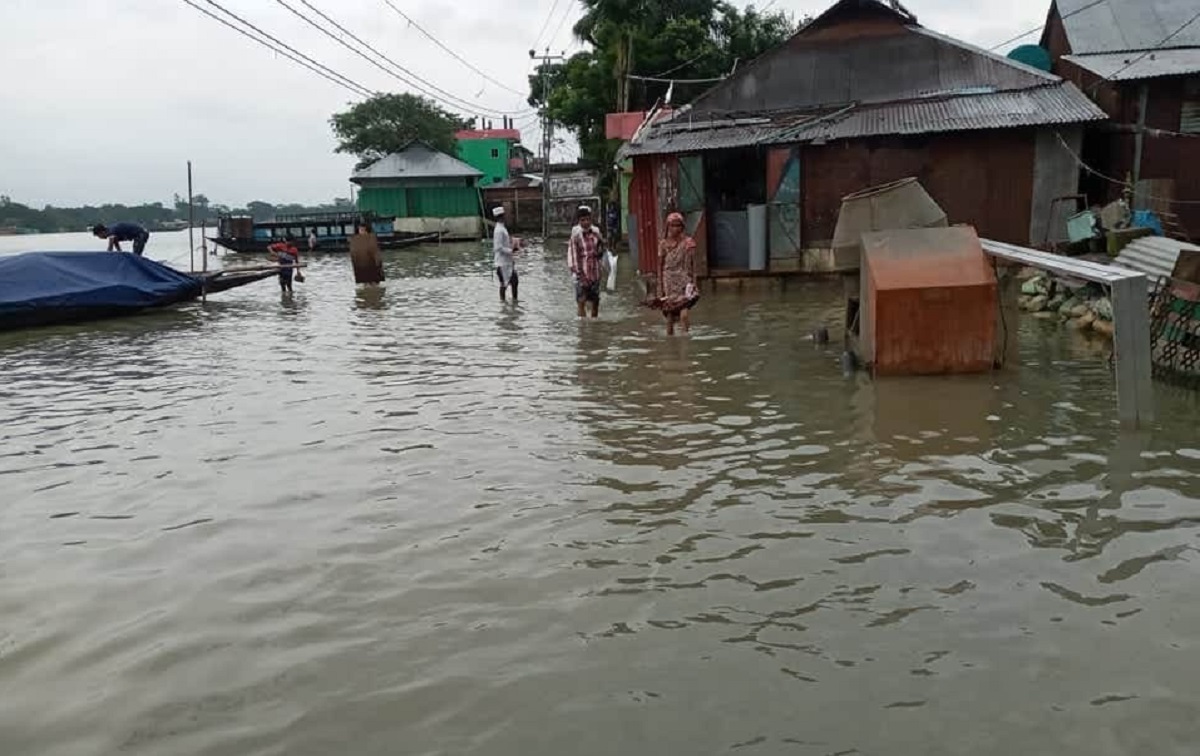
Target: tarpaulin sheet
{"x": 102, "y": 280}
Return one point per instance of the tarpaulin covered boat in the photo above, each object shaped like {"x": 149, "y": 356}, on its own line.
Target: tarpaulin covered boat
{"x": 45, "y": 288}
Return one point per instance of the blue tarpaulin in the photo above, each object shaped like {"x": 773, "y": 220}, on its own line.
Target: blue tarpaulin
{"x": 50, "y": 281}
{"x": 1147, "y": 219}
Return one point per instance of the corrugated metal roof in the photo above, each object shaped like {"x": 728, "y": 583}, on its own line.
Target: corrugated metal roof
{"x": 1056, "y": 104}
{"x": 1130, "y": 66}
{"x": 912, "y": 62}
{"x": 416, "y": 160}
{"x": 1153, "y": 255}
{"x": 1123, "y": 25}
{"x": 1060, "y": 103}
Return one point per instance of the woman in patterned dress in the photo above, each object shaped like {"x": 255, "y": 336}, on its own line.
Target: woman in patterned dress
{"x": 677, "y": 290}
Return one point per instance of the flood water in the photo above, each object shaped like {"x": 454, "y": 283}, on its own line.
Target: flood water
{"x": 415, "y": 521}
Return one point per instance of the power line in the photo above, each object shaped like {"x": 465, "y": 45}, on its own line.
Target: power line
{"x": 686, "y": 63}
{"x": 545, "y": 23}
{"x": 449, "y": 99}
{"x": 1079, "y": 161}
{"x": 1063, "y": 17}
{"x": 558, "y": 29}
{"x": 1145, "y": 54}
{"x": 284, "y": 49}
{"x": 453, "y": 54}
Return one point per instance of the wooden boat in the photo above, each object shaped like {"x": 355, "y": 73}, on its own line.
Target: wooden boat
{"x": 243, "y": 234}
{"x": 52, "y": 288}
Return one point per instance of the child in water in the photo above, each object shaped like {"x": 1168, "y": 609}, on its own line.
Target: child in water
{"x": 288, "y": 256}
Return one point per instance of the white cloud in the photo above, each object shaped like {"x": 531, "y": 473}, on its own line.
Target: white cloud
{"x": 106, "y": 100}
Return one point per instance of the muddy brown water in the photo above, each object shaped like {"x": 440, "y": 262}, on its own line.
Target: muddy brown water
{"x": 414, "y": 521}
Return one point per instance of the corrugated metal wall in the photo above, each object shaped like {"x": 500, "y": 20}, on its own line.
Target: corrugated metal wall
{"x": 644, "y": 207}
{"x": 443, "y": 202}
{"x": 783, "y": 210}
{"x": 522, "y": 207}
{"x": 981, "y": 178}
{"x": 422, "y": 202}
{"x": 384, "y": 201}
{"x": 691, "y": 204}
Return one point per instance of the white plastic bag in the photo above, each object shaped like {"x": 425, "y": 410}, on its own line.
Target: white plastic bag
{"x": 611, "y": 260}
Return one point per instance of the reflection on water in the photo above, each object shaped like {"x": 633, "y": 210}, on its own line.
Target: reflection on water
{"x": 412, "y": 519}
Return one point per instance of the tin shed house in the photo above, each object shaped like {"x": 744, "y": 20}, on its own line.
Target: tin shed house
{"x": 427, "y": 191}
{"x": 1140, "y": 61}
{"x": 864, "y": 95}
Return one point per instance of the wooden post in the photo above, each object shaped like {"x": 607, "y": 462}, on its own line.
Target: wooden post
{"x": 1139, "y": 138}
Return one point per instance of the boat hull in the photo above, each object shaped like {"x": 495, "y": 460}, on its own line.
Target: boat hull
{"x": 329, "y": 246}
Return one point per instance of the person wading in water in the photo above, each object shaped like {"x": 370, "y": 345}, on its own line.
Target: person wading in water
{"x": 677, "y": 289}
{"x": 502, "y": 256}
{"x": 285, "y": 253}
{"x": 584, "y": 262}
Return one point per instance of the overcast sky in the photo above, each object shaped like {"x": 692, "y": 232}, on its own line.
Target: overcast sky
{"x": 106, "y": 100}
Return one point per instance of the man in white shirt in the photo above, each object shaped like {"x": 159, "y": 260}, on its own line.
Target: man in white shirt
{"x": 502, "y": 256}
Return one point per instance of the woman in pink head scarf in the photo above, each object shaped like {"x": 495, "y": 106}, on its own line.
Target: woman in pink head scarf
{"x": 677, "y": 291}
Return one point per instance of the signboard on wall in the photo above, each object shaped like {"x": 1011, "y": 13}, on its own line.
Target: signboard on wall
{"x": 573, "y": 184}
{"x": 564, "y": 211}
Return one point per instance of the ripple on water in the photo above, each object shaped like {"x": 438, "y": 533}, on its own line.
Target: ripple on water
{"x": 414, "y": 515}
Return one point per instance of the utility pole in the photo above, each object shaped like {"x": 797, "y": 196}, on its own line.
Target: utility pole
{"x": 545, "y": 60}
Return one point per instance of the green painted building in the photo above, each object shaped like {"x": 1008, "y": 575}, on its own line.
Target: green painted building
{"x": 496, "y": 153}
{"x": 419, "y": 182}
{"x": 425, "y": 190}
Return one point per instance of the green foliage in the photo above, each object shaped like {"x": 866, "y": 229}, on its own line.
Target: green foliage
{"x": 383, "y": 124}
{"x": 687, "y": 39}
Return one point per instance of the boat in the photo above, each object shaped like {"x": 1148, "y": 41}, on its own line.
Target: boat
{"x": 52, "y": 288}
{"x": 243, "y": 234}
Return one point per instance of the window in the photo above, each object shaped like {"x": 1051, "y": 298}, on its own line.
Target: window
{"x": 495, "y": 152}
{"x": 1189, "y": 117}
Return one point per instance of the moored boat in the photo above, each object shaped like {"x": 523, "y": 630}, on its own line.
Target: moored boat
{"x": 51, "y": 288}
{"x": 240, "y": 233}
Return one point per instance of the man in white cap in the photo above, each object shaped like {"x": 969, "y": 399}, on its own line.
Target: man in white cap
{"x": 584, "y": 261}
{"x": 502, "y": 254}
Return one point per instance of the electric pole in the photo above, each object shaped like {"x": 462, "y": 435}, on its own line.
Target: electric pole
{"x": 545, "y": 60}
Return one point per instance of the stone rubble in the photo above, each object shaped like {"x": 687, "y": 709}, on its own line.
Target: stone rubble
{"x": 1085, "y": 308}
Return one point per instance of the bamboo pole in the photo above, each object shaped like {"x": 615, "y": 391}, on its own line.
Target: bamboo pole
{"x": 191, "y": 221}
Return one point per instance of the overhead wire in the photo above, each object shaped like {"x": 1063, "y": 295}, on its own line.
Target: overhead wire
{"x": 449, "y": 50}
{"x": 283, "y": 49}
{"x": 558, "y": 29}
{"x": 685, "y": 64}
{"x": 1036, "y": 29}
{"x": 1151, "y": 51}
{"x": 446, "y": 98}
{"x": 1129, "y": 187}
{"x": 545, "y": 24}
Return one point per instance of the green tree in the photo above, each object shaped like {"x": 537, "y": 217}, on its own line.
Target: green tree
{"x": 679, "y": 39}
{"x": 385, "y": 123}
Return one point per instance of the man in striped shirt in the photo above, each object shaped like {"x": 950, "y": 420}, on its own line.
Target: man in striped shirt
{"x": 584, "y": 260}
